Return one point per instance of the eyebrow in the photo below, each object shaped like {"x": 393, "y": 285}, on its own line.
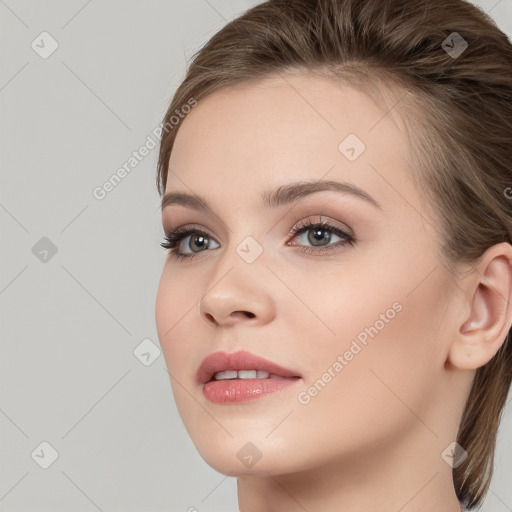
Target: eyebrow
{"x": 283, "y": 195}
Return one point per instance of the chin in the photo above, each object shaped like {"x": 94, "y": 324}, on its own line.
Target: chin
{"x": 245, "y": 455}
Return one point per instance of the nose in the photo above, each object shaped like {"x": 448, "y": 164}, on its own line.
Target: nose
{"x": 230, "y": 319}
{"x": 238, "y": 296}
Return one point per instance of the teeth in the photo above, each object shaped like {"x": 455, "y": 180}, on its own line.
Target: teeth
{"x": 245, "y": 374}
{"x": 226, "y": 375}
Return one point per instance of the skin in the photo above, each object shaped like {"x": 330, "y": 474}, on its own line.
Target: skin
{"x": 375, "y": 433}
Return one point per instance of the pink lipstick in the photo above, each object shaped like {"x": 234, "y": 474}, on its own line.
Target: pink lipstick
{"x": 241, "y": 376}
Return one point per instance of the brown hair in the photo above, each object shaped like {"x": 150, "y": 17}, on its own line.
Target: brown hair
{"x": 457, "y": 108}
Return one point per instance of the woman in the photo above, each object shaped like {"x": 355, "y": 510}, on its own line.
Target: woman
{"x": 345, "y": 167}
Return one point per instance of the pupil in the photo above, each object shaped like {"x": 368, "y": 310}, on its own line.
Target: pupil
{"x": 318, "y": 235}
{"x": 202, "y": 240}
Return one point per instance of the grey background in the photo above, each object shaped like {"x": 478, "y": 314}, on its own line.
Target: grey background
{"x": 70, "y": 324}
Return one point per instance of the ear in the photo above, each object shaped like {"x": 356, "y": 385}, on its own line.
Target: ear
{"x": 489, "y": 298}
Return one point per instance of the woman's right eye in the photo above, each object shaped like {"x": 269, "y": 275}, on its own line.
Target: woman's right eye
{"x": 174, "y": 238}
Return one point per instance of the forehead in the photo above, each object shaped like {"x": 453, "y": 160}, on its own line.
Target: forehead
{"x": 259, "y": 135}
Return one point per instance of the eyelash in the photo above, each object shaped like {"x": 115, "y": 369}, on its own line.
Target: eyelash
{"x": 174, "y": 237}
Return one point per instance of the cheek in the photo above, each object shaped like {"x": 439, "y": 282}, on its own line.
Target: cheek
{"x": 389, "y": 339}
{"x": 376, "y": 399}
{"x": 176, "y": 306}
{"x": 175, "y": 311}
{"x": 390, "y": 302}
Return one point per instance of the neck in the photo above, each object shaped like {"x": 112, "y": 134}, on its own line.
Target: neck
{"x": 411, "y": 477}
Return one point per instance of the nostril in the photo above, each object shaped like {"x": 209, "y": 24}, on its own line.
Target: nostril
{"x": 210, "y": 317}
{"x": 234, "y": 314}
{"x": 243, "y": 313}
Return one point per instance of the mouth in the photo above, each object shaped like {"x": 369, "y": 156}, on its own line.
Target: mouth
{"x": 242, "y": 376}
{"x": 245, "y": 374}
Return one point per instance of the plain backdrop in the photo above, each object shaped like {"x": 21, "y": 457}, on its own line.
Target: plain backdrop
{"x": 83, "y": 386}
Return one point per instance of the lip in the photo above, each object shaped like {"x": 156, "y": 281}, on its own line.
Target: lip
{"x": 241, "y": 360}
{"x": 241, "y": 390}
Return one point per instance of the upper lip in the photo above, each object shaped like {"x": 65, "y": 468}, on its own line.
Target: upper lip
{"x": 241, "y": 360}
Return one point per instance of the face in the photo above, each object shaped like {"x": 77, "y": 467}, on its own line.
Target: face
{"x": 355, "y": 307}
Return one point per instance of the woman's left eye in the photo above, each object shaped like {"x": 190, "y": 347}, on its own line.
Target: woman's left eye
{"x": 317, "y": 234}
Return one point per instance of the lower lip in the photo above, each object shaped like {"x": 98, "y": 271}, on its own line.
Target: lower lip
{"x": 243, "y": 390}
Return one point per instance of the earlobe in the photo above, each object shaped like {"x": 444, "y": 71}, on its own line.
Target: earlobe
{"x": 485, "y": 328}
